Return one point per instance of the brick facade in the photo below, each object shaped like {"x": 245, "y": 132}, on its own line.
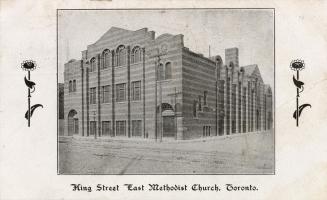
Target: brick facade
{"x": 116, "y": 90}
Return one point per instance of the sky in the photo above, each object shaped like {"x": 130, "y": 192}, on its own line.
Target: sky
{"x": 250, "y": 30}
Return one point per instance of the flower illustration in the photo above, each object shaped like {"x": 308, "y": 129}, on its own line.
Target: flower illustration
{"x": 28, "y": 65}
{"x": 297, "y": 65}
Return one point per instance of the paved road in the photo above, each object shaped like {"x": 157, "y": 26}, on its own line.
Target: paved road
{"x": 246, "y": 153}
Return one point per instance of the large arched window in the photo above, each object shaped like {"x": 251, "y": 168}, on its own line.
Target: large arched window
{"x": 92, "y": 65}
{"x": 168, "y": 71}
{"x": 136, "y": 55}
{"x": 160, "y": 72}
{"x": 121, "y": 55}
{"x": 70, "y": 86}
{"x": 72, "y": 123}
{"x": 106, "y": 59}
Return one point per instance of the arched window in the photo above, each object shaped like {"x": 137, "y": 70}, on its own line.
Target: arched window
{"x": 70, "y": 86}
{"x": 139, "y": 55}
{"x": 121, "y": 55}
{"x": 92, "y": 65}
{"x": 132, "y": 58}
{"x": 74, "y": 85}
{"x": 136, "y": 55}
{"x": 160, "y": 72}
{"x": 106, "y": 59}
{"x": 168, "y": 71}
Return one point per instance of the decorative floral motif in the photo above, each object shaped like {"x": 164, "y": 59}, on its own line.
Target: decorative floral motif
{"x": 297, "y": 65}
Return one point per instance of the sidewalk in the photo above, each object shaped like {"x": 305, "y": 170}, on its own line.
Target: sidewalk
{"x": 165, "y": 140}
{"x": 238, "y": 153}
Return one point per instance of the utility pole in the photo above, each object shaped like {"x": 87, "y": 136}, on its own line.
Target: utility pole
{"x": 155, "y": 101}
{"x": 160, "y": 102}
{"x": 158, "y": 78}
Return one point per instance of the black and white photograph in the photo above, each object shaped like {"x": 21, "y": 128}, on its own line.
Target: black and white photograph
{"x": 125, "y": 99}
{"x": 185, "y": 91}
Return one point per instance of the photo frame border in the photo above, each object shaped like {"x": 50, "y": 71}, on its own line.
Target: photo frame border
{"x": 173, "y": 174}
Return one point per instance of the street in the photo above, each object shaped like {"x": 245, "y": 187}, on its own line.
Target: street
{"x": 250, "y": 153}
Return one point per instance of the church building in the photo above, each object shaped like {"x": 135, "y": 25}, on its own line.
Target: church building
{"x": 136, "y": 85}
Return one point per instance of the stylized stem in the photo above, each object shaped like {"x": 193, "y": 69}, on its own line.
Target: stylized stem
{"x": 29, "y": 101}
{"x": 297, "y": 100}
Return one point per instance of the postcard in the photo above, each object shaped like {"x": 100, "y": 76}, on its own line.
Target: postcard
{"x": 143, "y": 100}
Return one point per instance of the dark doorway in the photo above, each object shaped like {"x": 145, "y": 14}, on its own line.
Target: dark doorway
{"x": 168, "y": 121}
{"x": 72, "y": 123}
{"x": 93, "y": 127}
{"x": 168, "y": 126}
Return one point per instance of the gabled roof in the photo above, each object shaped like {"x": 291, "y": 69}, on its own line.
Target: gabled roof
{"x": 112, "y": 31}
{"x": 252, "y": 70}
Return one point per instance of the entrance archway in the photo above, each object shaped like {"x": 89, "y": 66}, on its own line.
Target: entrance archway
{"x": 168, "y": 121}
{"x": 72, "y": 123}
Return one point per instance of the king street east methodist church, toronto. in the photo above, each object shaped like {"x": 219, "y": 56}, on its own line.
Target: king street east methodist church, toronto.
{"x": 133, "y": 84}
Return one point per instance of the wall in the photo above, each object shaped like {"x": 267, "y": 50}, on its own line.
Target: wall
{"x": 199, "y": 75}
{"x": 72, "y": 100}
